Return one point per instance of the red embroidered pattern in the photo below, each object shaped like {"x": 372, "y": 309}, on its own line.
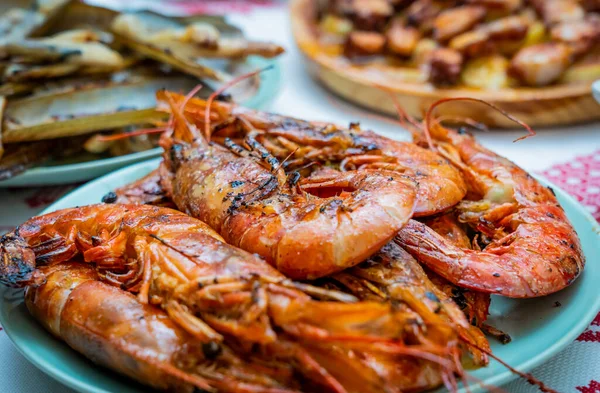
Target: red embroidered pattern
{"x": 591, "y": 335}
{"x": 593, "y": 387}
{"x": 581, "y": 179}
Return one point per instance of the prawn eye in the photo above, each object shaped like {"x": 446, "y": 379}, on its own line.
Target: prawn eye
{"x": 110, "y": 197}
{"x": 176, "y": 153}
{"x": 224, "y": 97}
{"x": 211, "y": 350}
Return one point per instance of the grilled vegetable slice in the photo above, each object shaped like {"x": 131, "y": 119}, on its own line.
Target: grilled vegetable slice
{"x": 185, "y": 47}
{"x": 75, "y": 47}
{"x": 18, "y": 23}
{"x": 24, "y": 72}
{"x": 87, "y": 109}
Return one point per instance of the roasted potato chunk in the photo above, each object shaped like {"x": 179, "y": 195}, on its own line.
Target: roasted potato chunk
{"x": 556, "y": 11}
{"x": 472, "y": 43}
{"x": 336, "y": 25}
{"x": 421, "y": 14}
{"x": 401, "y": 39}
{"x": 364, "y": 43}
{"x": 581, "y": 73}
{"x": 508, "y": 28}
{"x": 541, "y": 64}
{"x": 454, "y": 21}
{"x": 536, "y": 34}
{"x": 370, "y": 14}
{"x": 502, "y": 5}
{"x": 580, "y": 35}
{"x": 422, "y": 51}
{"x": 444, "y": 66}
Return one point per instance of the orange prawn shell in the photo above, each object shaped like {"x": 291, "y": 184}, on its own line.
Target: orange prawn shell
{"x": 304, "y": 236}
{"x": 441, "y": 186}
{"x": 109, "y": 326}
{"x": 167, "y": 239}
{"x": 533, "y": 249}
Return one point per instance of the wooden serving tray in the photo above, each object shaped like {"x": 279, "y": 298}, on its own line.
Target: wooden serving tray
{"x": 546, "y": 106}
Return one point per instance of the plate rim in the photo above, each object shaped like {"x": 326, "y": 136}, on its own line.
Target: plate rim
{"x": 498, "y": 379}
{"x": 268, "y": 90}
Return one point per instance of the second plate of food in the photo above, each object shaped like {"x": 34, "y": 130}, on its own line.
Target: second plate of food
{"x": 365, "y": 50}
{"x": 86, "y": 166}
{"x": 91, "y": 110}
{"x": 539, "y": 329}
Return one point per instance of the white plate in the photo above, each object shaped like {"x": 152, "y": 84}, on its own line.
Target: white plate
{"x": 538, "y": 328}
{"x": 267, "y": 90}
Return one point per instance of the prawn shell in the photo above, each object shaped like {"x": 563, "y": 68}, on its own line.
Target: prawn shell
{"x": 108, "y": 325}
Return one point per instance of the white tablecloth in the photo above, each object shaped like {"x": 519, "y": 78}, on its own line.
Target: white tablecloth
{"x": 575, "y": 370}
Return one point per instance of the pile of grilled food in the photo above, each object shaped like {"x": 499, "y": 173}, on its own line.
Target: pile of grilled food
{"x": 71, "y": 74}
{"x": 484, "y": 44}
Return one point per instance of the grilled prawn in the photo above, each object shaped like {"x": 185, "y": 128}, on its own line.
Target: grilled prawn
{"x": 111, "y": 327}
{"x": 300, "y": 142}
{"x": 227, "y": 298}
{"x": 306, "y": 228}
{"x": 527, "y": 245}
{"x": 394, "y": 275}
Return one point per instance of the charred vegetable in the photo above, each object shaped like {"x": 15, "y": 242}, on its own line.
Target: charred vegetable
{"x": 186, "y": 47}
{"x": 91, "y": 108}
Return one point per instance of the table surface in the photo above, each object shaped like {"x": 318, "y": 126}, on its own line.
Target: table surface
{"x": 302, "y": 97}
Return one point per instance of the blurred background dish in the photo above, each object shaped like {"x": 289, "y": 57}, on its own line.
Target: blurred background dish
{"x": 77, "y": 92}
{"x": 533, "y": 59}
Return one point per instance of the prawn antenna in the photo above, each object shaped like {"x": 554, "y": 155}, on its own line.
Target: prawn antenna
{"x": 405, "y": 119}
{"x": 527, "y": 376}
{"x": 211, "y": 98}
{"x": 286, "y": 159}
{"x": 466, "y": 120}
{"x": 178, "y": 122}
{"x": 428, "y": 116}
{"x": 189, "y": 96}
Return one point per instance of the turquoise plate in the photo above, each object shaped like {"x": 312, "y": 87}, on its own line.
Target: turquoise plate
{"x": 68, "y": 173}
{"x": 538, "y": 328}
